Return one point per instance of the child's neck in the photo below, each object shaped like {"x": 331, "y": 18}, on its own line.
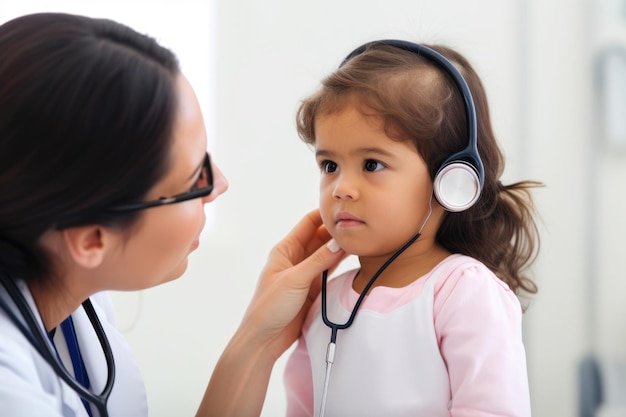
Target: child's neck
{"x": 408, "y": 267}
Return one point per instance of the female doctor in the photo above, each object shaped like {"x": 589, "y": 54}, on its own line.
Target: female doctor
{"x": 103, "y": 178}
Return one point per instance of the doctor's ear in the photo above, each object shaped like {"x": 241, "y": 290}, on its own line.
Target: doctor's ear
{"x": 86, "y": 244}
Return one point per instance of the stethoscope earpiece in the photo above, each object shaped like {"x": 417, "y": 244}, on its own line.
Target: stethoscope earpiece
{"x": 457, "y": 186}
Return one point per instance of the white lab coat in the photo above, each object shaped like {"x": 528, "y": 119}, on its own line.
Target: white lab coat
{"x": 30, "y": 388}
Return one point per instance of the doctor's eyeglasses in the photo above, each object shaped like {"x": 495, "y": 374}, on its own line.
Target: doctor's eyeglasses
{"x": 202, "y": 188}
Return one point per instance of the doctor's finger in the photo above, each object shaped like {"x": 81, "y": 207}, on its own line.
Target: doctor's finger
{"x": 305, "y": 238}
{"x": 325, "y": 258}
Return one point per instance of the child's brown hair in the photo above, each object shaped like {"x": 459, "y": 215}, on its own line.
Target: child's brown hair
{"x": 418, "y": 102}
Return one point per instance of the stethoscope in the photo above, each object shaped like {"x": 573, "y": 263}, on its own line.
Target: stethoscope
{"x": 41, "y": 342}
{"x": 335, "y": 327}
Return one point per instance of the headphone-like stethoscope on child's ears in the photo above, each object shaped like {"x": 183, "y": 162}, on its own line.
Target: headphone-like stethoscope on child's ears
{"x": 457, "y": 185}
{"x": 459, "y": 181}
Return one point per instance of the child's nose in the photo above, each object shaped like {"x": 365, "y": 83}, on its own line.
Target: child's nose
{"x": 346, "y": 188}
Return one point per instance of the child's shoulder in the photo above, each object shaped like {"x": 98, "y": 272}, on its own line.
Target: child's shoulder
{"x": 464, "y": 271}
{"x": 465, "y": 287}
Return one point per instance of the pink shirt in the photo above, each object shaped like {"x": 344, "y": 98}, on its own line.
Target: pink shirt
{"x": 475, "y": 322}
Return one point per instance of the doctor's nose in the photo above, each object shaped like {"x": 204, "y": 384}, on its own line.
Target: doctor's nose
{"x": 345, "y": 189}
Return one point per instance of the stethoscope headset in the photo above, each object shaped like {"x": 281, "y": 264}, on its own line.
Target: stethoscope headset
{"x": 457, "y": 186}
{"x": 42, "y": 343}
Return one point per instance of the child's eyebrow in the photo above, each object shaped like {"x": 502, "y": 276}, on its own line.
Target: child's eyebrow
{"x": 364, "y": 151}
{"x": 323, "y": 153}
{"x": 378, "y": 151}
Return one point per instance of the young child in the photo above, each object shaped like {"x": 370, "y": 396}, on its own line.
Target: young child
{"x": 430, "y": 324}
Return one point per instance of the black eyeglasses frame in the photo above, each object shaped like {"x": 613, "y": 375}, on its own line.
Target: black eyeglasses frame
{"x": 179, "y": 198}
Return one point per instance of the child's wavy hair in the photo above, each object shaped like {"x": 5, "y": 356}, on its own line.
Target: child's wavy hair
{"x": 418, "y": 101}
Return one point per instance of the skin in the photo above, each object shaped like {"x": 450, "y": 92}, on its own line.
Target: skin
{"x": 93, "y": 258}
{"x": 374, "y": 196}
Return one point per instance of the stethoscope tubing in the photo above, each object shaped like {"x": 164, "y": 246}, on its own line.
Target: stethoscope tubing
{"x": 335, "y": 327}
{"x": 39, "y": 340}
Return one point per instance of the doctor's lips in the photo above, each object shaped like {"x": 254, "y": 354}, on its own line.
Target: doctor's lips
{"x": 346, "y": 220}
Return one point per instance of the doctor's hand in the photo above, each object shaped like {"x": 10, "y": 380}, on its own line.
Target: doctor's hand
{"x": 289, "y": 283}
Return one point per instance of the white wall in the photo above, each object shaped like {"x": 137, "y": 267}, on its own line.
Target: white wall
{"x": 579, "y": 308}
{"x": 558, "y": 129}
{"x": 535, "y": 60}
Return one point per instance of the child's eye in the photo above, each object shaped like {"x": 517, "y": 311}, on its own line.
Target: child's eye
{"x": 373, "y": 165}
{"x": 328, "y": 166}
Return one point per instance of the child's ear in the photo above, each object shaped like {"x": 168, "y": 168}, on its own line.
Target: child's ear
{"x": 85, "y": 244}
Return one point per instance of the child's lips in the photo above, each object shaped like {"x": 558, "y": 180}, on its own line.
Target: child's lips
{"x": 347, "y": 220}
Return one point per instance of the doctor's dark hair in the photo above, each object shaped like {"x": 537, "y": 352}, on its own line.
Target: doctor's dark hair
{"x": 87, "y": 110}
{"x": 418, "y": 102}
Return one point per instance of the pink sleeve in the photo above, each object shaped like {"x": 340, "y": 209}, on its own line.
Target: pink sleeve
{"x": 299, "y": 387}
{"x": 478, "y": 324}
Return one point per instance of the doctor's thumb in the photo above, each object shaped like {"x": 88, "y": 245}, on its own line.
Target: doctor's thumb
{"x": 333, "y": 246}
{"x": 325, "y": 258}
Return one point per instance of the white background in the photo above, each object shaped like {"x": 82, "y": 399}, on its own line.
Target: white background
{"x": 251, "y": 62}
